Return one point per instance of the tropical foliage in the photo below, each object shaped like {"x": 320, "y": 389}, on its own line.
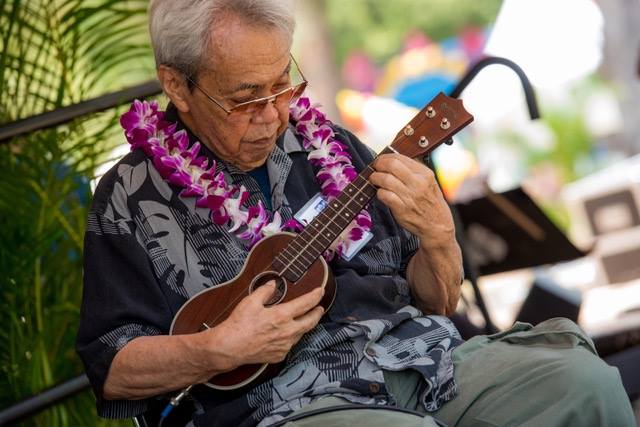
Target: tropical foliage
{"x": 55, "y": 53}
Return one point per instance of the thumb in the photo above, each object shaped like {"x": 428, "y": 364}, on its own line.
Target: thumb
{"x": 265, "y": 292}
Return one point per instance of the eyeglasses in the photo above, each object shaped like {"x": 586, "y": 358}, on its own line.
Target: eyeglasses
{"x": 249, "y": 108}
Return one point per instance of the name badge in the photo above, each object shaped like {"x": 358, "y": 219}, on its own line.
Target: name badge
{"x": 312, "y": 208}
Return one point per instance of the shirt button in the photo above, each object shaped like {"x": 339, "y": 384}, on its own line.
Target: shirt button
{"x": 374, "y": 388}
{"x": 371, "y": 352}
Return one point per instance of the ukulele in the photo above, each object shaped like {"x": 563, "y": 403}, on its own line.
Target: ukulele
{"x": 294, "y": 261}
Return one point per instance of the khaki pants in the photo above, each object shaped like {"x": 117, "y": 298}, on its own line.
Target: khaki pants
{"x": 548, "y": 375}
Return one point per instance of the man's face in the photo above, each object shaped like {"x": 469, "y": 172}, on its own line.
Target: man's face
{"x": 249, "y": 63}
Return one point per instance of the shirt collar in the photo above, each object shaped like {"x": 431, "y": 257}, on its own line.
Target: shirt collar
{"x": 290, "y": 142}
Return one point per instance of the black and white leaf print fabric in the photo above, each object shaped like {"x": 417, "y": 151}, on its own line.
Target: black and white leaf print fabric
{"x": 172, "y": 255}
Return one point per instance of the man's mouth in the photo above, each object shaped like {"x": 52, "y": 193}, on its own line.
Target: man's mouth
{"x": 262, "y": 141}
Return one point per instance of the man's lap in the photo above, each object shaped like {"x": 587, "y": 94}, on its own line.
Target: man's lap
{"x": 370, "y": 417}
{"x": 546, "y": 375}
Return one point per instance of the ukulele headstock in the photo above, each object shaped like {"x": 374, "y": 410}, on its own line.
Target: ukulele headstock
{"x": 436, "y": 123}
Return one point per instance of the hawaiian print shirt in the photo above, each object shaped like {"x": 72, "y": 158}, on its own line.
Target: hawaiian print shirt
{"x": 147, "y": 250}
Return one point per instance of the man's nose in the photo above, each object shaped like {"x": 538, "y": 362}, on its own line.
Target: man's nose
{"x": 268, "y": 112}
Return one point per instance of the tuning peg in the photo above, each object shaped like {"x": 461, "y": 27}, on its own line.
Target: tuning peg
{"x": 448, "y": 141}
{"x": 431, "y": 112}
{"x": 408, "y": 130}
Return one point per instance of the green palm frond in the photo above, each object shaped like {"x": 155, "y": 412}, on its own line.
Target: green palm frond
{"x": 54, "y": 53}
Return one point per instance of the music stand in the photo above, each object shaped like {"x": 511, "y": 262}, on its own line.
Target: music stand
{"x": 508, "y": 231}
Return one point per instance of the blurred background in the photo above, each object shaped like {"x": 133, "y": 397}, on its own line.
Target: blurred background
{"x": 548, "y": 207}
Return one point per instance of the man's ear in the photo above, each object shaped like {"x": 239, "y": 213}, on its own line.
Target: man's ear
{"x": 175, "y": 87}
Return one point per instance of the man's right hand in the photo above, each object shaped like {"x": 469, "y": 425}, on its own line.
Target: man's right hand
{"x": 254, "y": 333}
{"x": 151, "y": 365}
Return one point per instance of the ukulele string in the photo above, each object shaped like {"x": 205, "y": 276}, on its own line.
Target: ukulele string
{"x": 313, "y": 239}
{"x": 281, "y": 272}
{"x": 345, "y": 205}
{"x": 331, "y": 220}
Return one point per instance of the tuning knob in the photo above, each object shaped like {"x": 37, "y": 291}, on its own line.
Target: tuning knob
{"x": 408, "y": 130}
{"x": 444, "y": 123}
{"x": 431, "y": 112}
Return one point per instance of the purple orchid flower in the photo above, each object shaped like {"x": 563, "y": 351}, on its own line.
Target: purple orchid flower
{"x": 180, "y": 165}
{"x": 257, "y": 218}
{"x": 292, "y": 225}
{"x": 140, "y": 122}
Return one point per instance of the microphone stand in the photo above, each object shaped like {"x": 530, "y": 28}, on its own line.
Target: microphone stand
{"x": 471, "y": 270}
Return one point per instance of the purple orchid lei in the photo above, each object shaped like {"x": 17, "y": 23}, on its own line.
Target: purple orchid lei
{"x": 146, "y": 128}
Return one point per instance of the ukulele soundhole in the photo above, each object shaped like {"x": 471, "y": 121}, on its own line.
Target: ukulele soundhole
{"x": 281, "y": 286}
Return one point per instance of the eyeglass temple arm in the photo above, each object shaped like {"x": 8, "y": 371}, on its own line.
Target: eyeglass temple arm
{"x": 298, "y": 67}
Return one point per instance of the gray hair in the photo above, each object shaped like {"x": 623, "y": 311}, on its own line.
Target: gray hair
{"x": 181, "y": 29}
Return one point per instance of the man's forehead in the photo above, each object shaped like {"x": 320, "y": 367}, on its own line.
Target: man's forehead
{"x": 250, "y": 85}
{"x": 248, "y": 58}
{"x": 234, "y": 79}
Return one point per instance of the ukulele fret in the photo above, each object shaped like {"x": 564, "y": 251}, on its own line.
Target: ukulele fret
{"x": 316, "y": 238}
{"x": 299, "y": 270}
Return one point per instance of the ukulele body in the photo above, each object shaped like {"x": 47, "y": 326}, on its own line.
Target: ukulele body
{"x": 212, "y": 306}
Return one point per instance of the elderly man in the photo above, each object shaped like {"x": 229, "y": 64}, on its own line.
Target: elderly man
{"x": 384, "y": 345}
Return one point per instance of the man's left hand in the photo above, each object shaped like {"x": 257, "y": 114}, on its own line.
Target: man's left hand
{"x": 410, "y": 190}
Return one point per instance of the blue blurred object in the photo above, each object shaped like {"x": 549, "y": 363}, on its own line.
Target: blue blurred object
{"x": 452, "y": 44}
{"x": 417, "y": 92}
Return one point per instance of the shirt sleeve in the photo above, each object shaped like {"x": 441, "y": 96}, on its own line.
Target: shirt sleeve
{"x": 118, "y": 278}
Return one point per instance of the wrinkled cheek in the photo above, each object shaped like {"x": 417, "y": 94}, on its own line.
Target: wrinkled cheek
{"x": 283, "y": 125}
{"x": 232, "y": 149}
{"x": 284, "y": 118}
